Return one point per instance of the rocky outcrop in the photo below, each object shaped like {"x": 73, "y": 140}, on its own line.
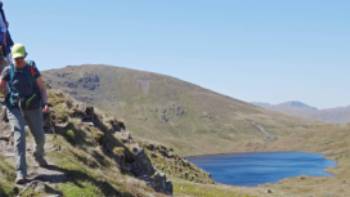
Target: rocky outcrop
{"x": 170, "y": 112}
{"x": 88, "y": 81}
{"x": 90, "y": 131}
{"x": 113, "y": 138}
{"x": 169, "y": 162}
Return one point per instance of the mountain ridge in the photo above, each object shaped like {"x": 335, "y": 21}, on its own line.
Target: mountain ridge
{"x": 300, "y": 109}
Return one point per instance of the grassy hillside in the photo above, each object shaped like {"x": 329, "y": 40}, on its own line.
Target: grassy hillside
{"x": 187, "y": 117}
{"x": 91, "y": 154}
{"x": 334, "y": 142}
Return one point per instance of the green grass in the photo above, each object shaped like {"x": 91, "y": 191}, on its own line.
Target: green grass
{"x": 7, "y": 174}
{"x": 80, "y": 189}
{"x": 183, "y": 188}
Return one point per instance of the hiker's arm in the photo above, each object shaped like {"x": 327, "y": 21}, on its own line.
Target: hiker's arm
{"x": 43, "y": 91}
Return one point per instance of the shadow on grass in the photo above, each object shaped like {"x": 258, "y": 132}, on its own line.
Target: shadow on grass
{"x": 73, "y": 135}
{"x": 74, "y": 176}
{"x": 2, "y": 192}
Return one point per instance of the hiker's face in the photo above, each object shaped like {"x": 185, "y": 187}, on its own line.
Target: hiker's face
{"x": 20, "y": 62}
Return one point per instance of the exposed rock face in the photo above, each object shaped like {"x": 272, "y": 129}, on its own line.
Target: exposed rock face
{"x": 171, "y": 112}
{"x": 87, "y": 81}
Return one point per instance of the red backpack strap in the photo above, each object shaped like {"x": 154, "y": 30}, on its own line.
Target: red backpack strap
{"x": 32, "y": 68}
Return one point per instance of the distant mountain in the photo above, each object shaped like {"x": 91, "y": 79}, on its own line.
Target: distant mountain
{"x": 297, "y": 105}
{"x": 337, "y": 115}
{"x": 302, "y": 110}
{"x": 192, "y": 119}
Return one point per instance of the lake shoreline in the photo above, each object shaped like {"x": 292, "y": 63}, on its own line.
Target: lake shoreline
{"x": 269, "y": 167}
{"x": 247, "y": 152}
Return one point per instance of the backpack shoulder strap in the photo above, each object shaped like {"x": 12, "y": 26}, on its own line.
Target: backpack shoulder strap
{"x": 12, "y": 72}
{"x": 31, "y": 68}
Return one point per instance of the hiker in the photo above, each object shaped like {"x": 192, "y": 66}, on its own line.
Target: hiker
{"x": 5, "y": 39}
{"x": 26, "y": 100}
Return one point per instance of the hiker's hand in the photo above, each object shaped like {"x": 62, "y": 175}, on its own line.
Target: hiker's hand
{"x": 46, "y": 109}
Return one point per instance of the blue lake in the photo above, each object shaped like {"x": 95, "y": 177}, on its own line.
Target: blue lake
{"x": 252, "y": 169}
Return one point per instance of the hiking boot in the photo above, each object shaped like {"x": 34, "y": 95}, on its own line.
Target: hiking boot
{"x": 21, "y": 180}
{"x": 41, "y": 161}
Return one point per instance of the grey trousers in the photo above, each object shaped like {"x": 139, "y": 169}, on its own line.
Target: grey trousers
{"x": 34, "y": 120}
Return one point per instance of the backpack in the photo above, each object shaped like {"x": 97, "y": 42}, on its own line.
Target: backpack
{"x": 23, "y": 90}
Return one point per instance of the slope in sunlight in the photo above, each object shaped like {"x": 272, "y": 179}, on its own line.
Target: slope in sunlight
{"x": 192, "y": 119}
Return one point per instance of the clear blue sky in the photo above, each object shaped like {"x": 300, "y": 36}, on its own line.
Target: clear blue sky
{"x": 254, "y": 50}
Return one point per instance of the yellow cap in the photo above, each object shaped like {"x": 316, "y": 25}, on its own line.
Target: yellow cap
{"x": 18, "y": 51}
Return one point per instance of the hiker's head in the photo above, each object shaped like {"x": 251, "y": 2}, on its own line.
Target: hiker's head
{"x": 20, "y": 62}
{"x": 19, "y": 54}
